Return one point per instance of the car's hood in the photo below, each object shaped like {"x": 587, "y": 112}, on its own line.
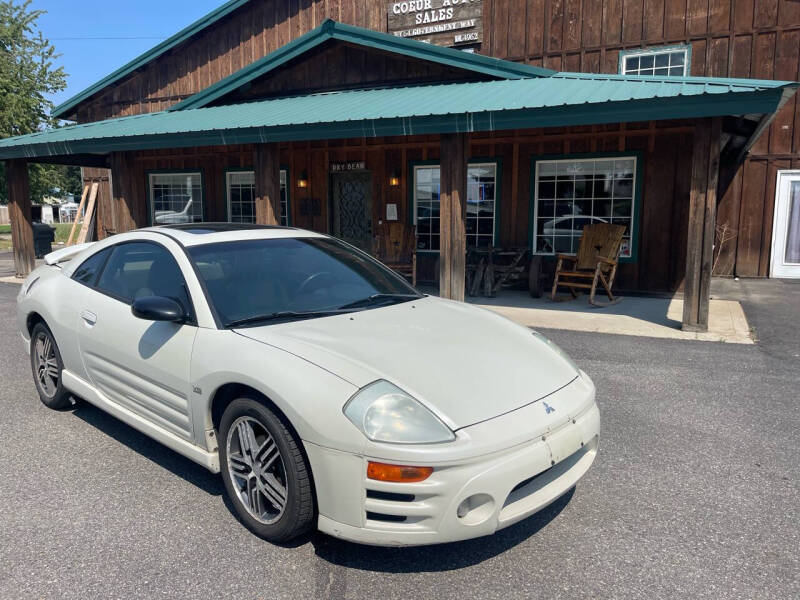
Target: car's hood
{"x": 465, "y": 363}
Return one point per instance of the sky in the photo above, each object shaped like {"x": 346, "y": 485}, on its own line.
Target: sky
{"x": 75, "y": 28}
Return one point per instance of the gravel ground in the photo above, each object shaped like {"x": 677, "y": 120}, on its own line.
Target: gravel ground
{"x": 694, "y": 494}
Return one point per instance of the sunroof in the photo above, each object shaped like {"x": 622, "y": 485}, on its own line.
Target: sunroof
{"x": 202, "y": 228}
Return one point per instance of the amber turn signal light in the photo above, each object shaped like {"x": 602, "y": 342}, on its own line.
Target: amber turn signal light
{"x": 397, "y": 473}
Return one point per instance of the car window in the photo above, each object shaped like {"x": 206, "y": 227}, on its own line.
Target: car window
{"x": 260, "y": 277}
{"x": 87, "y": 272}
{"x": 139, "y": 269}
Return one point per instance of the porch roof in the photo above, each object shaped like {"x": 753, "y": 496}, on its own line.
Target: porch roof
{"x": 558, "y": 100}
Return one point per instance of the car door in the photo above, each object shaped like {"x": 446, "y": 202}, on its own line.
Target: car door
{"x": 140, "y": 365}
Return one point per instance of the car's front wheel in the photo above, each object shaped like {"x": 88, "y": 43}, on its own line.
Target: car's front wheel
{"x": 47, "y": 366}
{"x": 265, "y": 471}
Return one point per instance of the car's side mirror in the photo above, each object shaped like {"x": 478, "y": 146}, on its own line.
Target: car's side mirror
{"x": 158, "y": 308}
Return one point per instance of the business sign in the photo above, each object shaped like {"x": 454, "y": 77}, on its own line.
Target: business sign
{"x": 353, "y": 165}
{"x": 441, "y": 22}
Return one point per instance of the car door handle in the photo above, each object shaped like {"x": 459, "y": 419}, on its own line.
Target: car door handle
{"x": 89, "y": 317}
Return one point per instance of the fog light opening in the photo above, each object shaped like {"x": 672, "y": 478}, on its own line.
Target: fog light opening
{"x": 475, "y": 509}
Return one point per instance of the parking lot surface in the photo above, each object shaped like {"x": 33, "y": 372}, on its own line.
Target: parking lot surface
{"x": 694, "y": 494}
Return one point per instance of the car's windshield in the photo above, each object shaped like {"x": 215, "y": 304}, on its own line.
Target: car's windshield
{"x": 251, "y": 281}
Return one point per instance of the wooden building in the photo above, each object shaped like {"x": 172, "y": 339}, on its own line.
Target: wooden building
{"x": 486, "y": 135}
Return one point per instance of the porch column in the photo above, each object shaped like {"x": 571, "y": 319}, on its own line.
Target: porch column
{"x": 122, "y": 205}
{"x": 453, "y": 215}
{"x": 702, "y": 221}
{"x": 266, "y": 164}
{"x": 19, "y": 212}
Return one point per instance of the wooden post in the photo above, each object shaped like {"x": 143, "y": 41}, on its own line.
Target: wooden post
{"x": 702, "y": 221}
{"x": 122, "y": 198}
{"x": 19, "y": 212}
{"x": 453, "y": 215}
{"x": 267, "y": 184}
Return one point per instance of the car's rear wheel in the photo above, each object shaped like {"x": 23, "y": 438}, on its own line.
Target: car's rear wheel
{"x": 265, "y": 471}
{"x": 47, "y": 366}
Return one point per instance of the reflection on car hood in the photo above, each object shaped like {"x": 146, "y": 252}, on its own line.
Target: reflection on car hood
{"x": 465, "y": 363}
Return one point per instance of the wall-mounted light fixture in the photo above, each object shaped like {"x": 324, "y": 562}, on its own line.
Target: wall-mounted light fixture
{"x": 302, "y": 182}
{"x": 394, "y": 179}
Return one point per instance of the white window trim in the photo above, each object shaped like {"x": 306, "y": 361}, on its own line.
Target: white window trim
{"x": 228, "y": 173}
{"x": 471, "y": 164}
{"x": 152, "y": 175}
{"x": 634, "y": 199}
{"x": 685, "y": 48}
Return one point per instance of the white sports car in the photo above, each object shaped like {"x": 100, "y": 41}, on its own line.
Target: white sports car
{"x": 326, "y": 391}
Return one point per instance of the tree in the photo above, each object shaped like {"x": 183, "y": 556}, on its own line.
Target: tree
{"x": 27, "y": 75}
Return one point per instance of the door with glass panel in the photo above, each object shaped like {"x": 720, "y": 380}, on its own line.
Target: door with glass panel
{"x": 786, "y": 227}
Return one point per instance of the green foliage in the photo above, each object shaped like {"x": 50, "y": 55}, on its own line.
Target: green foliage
{"x": 27, "y": 75}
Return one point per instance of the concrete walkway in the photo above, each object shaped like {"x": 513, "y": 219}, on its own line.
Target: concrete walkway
{"x": 642, "y": 316}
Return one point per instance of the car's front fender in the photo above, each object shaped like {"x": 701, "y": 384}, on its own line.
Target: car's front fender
{"x": 309, "y": 396}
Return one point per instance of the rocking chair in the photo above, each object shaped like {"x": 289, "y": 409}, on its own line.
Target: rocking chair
{"x": 597, "y": 259}
{"x": 395, "y": 245}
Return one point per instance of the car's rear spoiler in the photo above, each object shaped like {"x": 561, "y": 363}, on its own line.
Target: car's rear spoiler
{"x": 65, "y": 254}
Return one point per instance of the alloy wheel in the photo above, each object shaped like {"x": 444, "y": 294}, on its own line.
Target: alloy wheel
{"x": 46, "y": 364}
{"x": 256, "y": 469}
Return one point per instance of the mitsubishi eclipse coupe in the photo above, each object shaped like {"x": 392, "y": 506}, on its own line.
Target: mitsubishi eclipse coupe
{"x": 324, "y": 389}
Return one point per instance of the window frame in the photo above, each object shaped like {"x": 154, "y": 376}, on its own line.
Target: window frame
{"x": 191, "y": 316}
{"x": 193, "y": 171}
{"x": 226, "y": 190}
{"x": 533, "y": 207}
{"x": 686, "y": 48}
{"x": 496, "y": 161}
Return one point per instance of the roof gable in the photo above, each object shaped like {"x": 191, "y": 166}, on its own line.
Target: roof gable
{"x": 335, "y": 66}
{"x": 63, "y": 109}
{"x": 331, "y": 30}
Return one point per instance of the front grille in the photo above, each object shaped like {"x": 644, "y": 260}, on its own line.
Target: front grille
{"x": 522, "y": 484}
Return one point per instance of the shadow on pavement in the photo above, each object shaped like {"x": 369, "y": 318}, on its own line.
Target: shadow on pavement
{"x": 338, "y": 553}
{"x": 441, "y": 557}
{"x": 149, "y": 448}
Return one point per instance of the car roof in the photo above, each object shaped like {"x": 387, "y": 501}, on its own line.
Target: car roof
{"x": 195, "y": 234}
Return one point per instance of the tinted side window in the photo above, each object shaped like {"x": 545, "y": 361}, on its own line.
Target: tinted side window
{"x": 87, "y": 272}
{"x": 141, "y": 269}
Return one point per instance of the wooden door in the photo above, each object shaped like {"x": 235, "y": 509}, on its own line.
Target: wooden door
{"x": 351, "y": 197}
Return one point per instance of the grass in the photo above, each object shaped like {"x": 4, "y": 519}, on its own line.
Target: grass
{"x": 62, "y": 233}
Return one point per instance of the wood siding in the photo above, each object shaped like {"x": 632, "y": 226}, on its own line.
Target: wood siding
{"x": 757, "y": 39}
{"x": 666, "y": 149}
{"x": 728, "y": 38}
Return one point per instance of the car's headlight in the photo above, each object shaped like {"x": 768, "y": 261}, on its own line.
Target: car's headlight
{"x": 385, "y": 413}
{"x": 557, "y": 349}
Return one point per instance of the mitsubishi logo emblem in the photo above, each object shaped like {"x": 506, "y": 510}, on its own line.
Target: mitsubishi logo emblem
{"x": 548, "y": 409}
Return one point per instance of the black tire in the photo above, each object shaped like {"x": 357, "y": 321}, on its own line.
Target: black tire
{"x": 52, "y": 395}
{"x": 298, "y": 511}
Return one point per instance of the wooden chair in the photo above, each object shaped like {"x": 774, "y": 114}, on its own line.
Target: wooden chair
{"x": 395, "y": 245}
{"x": 596, "y": 260}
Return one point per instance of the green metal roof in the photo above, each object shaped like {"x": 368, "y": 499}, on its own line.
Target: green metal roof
{"x": 560, "y": 100}
{"x": 62, "y": 110}
{"x": 331, "y": 30}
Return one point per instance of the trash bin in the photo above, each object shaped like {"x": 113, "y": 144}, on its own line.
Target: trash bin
{"x": 43, "y": 236}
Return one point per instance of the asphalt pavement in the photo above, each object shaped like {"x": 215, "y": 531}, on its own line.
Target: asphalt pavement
{"x": 694, "y": 494}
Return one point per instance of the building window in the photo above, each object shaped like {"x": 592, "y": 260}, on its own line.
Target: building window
{"x": 176, "y": 198}
{"x": 573, "y": 193}
{"x": 672, "y": 61}
{"x": 481, "y": 205}
{"x": 241, "y": 197}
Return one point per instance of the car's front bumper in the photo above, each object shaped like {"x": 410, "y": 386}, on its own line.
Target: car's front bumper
{"x": 466, "y": 497}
